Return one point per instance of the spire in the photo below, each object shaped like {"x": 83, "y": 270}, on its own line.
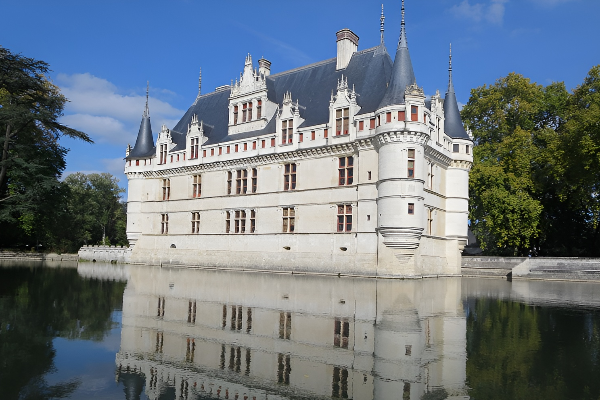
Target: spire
{"x": 200, "y": 83}
{"x": 382, "y": 19}
{"x": 402, "y": 71}
{"x": 453, "y": 123}
{"x": 144, "y": 144}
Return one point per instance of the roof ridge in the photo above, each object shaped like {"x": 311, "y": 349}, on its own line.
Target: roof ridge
{"x": 319, "y": 63}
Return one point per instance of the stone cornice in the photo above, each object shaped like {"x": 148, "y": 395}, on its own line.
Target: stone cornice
{"x": 438, "y": 156}
{"x": 462, "y": 164}
{"x": 291, "y": 156}
{"x": 400, "y": 137}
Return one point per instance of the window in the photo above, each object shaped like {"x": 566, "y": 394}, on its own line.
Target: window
{"x": 325, "y": 133}
{"x": 254, "y": 145}
{"x": 228, "y": 149}
{"x": 342, "y": 118}
{"x": 241, "y": 181}
{"x": 401, "y": 115}
{"x": 369, "y": 175}
{"x": 195, "y": 222}
{"x": 220, "y": 150}
{"x": 414, "y": 113}
{"x": 164, "y": 224}
{"x": 388, "y": 117}
{"x": 344, "y": 219}
{"x": 236, "y": 148}
{"x": 204, "y": 153}
{"x": 411, "y": 163}
{"x": 341, "y": 333}
{"x": 245, "y": 146}
{"x": 263, "y": 143}
{"x": 455, "y": 148}
{"x": 235, "y": 115}
{"x": 137, "y": 163}
{"x": 289, "y": 177}
{"x": 361, "y": 125}
{"x": 194, "y": 150}
{"x": 254, "y": 179}
{"x": 229, "y": 179}
{"x": 312, "y": 135}
{"x": 163, "y": 154}
{"x": 197, "y": 186}
{"x": 249, "y": 112}
{"x": 240, "y": 221}
{"x": 411, "y": 208}
{"x": 212, "y": 152}
{"x": 227, "y": 223}
{"x": 166, "y": 189}
{"x": 429, "y": 221}
{"x": 379, "y": 120}
{"x": 431, "y": 169}
{"x": 287, "y": 128}
{"x": 345, "y": 171}
{"x": 300, "y": 137}
{"x": 467, "y": 149}
{"x": 272, "y": 142}
{"x": 289, "y": 218}
{"x": 372, "y": 123}
{"x": 252, "y": 221}
{"x": 244, "y": 111}
{"x": 258, "y": 109}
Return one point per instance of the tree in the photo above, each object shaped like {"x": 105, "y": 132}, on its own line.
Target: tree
{"x": 31, "y": 158}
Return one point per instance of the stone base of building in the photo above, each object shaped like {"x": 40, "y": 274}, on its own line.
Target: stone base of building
{"x": 111, "y": 254}
{"x": 352, "y": 254}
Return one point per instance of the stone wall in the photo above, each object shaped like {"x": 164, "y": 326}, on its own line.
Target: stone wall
{"x": 29, "y": 256}
{"x": 113, "y": 254}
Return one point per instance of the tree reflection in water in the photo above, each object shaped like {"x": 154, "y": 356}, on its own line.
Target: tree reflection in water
{"x": 37, "y": 305}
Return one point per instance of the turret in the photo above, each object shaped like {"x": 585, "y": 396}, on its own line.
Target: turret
{"x": 144, "y": 144}
{"x": 452, "y": 121}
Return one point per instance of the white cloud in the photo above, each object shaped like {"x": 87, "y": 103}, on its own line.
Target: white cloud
{"x": 115, "y": 166}
{"x": 492, "y": 13}
{"x": 551, "y": 3}
{"x": 97, "y": 107}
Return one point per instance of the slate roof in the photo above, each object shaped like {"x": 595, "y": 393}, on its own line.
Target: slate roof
{"x": 369, "y": 71}
{"x": 402, "y": 74}
{"x": 453, "y": 124}
{"x": 144, "y": 144}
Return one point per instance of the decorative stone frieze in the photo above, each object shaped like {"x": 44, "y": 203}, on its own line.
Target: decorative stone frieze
{"x": 401, "y": 238}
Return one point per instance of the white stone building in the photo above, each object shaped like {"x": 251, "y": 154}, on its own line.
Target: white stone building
{"x": 343, "y": 167}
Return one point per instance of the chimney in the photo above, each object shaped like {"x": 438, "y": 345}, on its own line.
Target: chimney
{"x": 264, "y": 67}
{"x": 347, "y": 44}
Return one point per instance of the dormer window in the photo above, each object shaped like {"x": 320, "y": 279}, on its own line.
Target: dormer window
{"x": 287, "y": 128}
{"x": 163, "y": 154}
{"x": 194, "y": 147}
{"x": 258, "y": 109}
{"x": 342, "y": 120}
{"x": 235, "y": 115}
{"x": 414, "y": 113}
{"x": 244, "y": 110}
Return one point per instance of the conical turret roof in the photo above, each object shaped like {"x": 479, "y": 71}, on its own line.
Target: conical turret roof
{"x": 402, "y": 71}
{"x": 453, "y": 123}
{"x": 144, "y": 144}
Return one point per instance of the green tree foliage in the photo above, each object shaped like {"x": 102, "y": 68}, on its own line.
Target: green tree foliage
{"x": 37, "y": 305}
{"x": 96, "y": 214}
{"x": 529, "y": 187}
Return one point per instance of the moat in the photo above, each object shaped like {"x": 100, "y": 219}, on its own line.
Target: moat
{"x": 102, "y": 331}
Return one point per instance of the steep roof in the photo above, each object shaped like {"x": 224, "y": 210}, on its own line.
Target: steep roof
{"x": 311, "y": 85}
{"x": 144, "y": 144}
{"x": 453, "y": 124}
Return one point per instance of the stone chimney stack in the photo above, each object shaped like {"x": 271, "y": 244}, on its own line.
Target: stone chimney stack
{"x": 347, "y": 44}
{"x": 264, "y": 67}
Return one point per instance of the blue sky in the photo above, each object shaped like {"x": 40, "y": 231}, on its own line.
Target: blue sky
{"x": 103, "y": 52}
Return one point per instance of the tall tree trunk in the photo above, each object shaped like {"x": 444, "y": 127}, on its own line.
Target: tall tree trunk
{"x": 4, "y": 160}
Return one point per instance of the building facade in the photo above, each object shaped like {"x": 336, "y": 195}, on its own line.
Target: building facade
{"x": 342, "y": 167}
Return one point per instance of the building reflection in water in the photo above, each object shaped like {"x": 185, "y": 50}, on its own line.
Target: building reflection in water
{"x": 193, "y": 334}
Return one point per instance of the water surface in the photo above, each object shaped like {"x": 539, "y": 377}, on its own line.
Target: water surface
{"x": 140, "y": 332}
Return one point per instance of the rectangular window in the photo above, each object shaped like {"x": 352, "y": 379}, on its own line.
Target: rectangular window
{"x": 171, "y": 158}
{"x": 249, "y": 112}
{"x": 430, "y": 221}
{"x": 379, "y": 120}
{"x": 325, "y": 133}
{"x": 401, "y": 115}
{"x": 245, "y": 146}
{"x": 341, "y": 333}
{"x": 240, "y": 221}
{"x": 220, "y": 150}
{"x": 388, "y": 117}
{"x": 372, "y": 123}
{"x": 361, "y": 125}
{"x": 204, "y": 153}
{"x": 411, "y": 163}
{"x": 244, "y": 111}
{"x": 272, "y": 142}
{"x": 254, "y": 179}
{"x": 229, "y": 179}
{"x": 263, "y": 143}
{"x": 300, "y": 137}
{"x": 342, "y": 118}
{"x": 241, "y": 181}
{"x": 467, "y": 149}
{"x": 137, "y": 163}
{"x": 431, "y": 169}
{"x": 312, "y": 135}
{"x": 411, "y": 208}
{"x": 236, "y": 148}
{"x": 254, "y": 145}
{"x": 197, "y": 186}
{"x": 177, "y": 159}
{"x": 289, "y": 177}
{"x": 163, "y": 154}
{"x": 196, "y": 222}
{"x": 258, "y": 109}
{"x": 212, "y": 152}
{"x": 194, "y": 150}
{"x": 345, "y": 171}
{"x": 369, "y": 175}
{"x": 455, "y": 148}
{"x": 289, "y": 218}
{"x": 228, "y": 149}
{"x": 227, "y": 230}
{"x": 164, "y": 224}
{"x": 252, "y": 221}
{"x": 166, "y": 189}
{"x": 414, "y": 113}
{"x": 287, "y": 127}
{"x": 344, "y": 218}
{"x": 235, "y": 115}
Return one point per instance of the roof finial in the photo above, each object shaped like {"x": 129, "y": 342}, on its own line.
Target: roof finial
{"x": 147, "y": 111}
{"x": 402, "y": 24}
{"x": 200, "y": 83}
{"x": 382, "y": 19}
{"x": 450, "y": 84}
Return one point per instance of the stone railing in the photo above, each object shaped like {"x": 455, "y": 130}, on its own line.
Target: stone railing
{"x": 112, "y": 254}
